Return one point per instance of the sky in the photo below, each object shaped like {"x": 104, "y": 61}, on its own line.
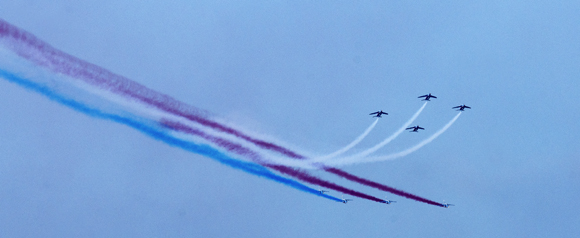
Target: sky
{"x": 305, "y": 73}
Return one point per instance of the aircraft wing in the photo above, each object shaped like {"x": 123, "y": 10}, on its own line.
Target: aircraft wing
{"x": 455, "y": 107}
{"x": 374, "y": 113}
{"x": 422, "y": 96}
{"x": 467, "y": 107}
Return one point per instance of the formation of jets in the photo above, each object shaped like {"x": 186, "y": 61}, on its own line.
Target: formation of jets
{"x": 379, "y": 113}
{"x": 415, "y": 128}
{"x": 384, "y": 201}
{"x": 425, "y": 97}
{"x": 388, "y": 202}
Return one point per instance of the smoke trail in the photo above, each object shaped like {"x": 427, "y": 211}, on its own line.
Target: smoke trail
{"x": 149, "y": 129}
{"x": 33, "y": 49}
{"x": 240, "y": 150}
{"x": 380, "y": 186}
{"x": 298, "y": 174}
{"x": 221, "y": 142}
{"x": 352, "y": 160}
{"x": 349, "y": 146}
{"x": 314, "y": 180}
{"x": 392, "y": 137}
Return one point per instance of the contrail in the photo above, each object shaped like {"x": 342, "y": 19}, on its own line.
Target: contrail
{"x": 36, "y": 51}
{"x": 240, "y": 150}
{"x": 356, "y": 160}
{"x": 380, "y": 186}
{"x": 149, "y": 129}
{"x": 296, "y": 173}
{"x": 29, "y": 47}
{"x": 390, "y": 138}
{"x": 218, "y": 141}
{"x": 199, "y": 149}
{"x": 349, "y": 146}
{"x": 303, "y": 176}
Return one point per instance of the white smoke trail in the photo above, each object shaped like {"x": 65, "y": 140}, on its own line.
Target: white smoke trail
{"x": 392, "y": 137}
{"x": 349, "y": 146}
{"x": 353, "y": 160}
{"x": 316, "y": 163}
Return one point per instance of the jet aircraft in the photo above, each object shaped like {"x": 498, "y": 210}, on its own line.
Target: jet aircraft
{"x": 427, "y": 97}
{"x": 322, "y": 191}
{"x": 379, "y": 113}
{"x": 415, "y": 128}
{"x": 446, "y": 205}
{"x": 462, "y": 107}
{"x": 388, "y": 201}
{"x": 345, "y": 200}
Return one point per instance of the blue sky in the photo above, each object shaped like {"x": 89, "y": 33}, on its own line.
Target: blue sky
{"x": 308, "y": 74}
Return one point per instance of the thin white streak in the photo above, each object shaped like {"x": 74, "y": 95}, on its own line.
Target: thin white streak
{"x": 349, "y": 146}
{"x": 390, "y": 138}
{"x": 356, "y": 160}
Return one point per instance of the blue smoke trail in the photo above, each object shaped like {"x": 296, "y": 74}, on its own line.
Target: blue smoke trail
{"x": 149, "y": 129}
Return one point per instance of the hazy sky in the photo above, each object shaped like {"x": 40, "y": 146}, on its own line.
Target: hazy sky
{"x": 308, "y": 74}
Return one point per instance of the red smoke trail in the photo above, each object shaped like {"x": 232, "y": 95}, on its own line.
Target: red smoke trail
{"x": 313, "y": 180}
{"x": 30, "y": 47}
{"x": 379, "y": 186}
{"x": 45, "y": 55}
{"x": 300, "y": 174}
{"x": 303, "y": 176}
{"x": 229, "y": 146}
{"x": 240, "y": 150}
